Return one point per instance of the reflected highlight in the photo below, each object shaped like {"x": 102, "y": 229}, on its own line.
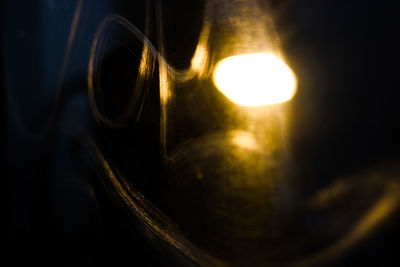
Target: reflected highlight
{"x": 255, "y": 79}
{"x": 245, "y": 140}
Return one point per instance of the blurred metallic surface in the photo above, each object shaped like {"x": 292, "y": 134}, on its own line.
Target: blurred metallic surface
{"x": 121, "y": 151}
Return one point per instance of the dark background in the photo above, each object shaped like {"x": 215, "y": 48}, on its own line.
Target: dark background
{"x": 346, "y": 117}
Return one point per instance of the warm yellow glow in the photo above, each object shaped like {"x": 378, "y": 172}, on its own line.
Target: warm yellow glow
{"x": 255, "y": 79}
{"x": 199, "y": 58}
{"x": 244, "y": 140}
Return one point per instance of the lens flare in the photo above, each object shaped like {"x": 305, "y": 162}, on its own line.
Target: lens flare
{"x": 255, "y": 79}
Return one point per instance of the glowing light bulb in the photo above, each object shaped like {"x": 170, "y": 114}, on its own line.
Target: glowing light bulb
{"x": 255, "y": 79}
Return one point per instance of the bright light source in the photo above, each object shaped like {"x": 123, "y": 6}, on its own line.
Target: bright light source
{"x": 255, "y": 79}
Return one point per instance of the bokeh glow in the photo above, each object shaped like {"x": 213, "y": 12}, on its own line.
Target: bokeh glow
{"x": 255, "y": 79}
